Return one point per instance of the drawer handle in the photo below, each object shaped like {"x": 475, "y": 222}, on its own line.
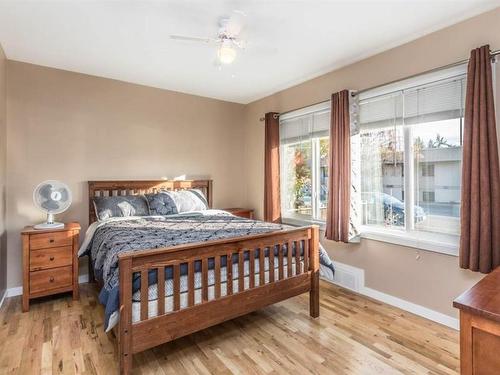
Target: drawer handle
{"x": 51, "y": 240}
{"x": 51, "y": 258}
{"x": 51, "y": 279}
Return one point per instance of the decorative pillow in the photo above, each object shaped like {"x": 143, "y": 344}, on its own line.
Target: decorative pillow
{"x": 161, "y": 203}
{"x": 120, "y": 206}
{"x": 188, "y": 200}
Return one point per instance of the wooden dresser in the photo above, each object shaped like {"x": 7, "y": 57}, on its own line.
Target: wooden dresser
{"x": 50, "y": 262}
{"x": 241, "y": 212}
{"x": 480, "y": 327}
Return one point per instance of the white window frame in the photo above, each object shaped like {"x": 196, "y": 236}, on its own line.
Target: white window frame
{"x": 315, "y": 165}
{"x": 436, "y": 242}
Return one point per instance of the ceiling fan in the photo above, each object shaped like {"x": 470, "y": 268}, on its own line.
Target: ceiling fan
{"x": 227, "y": 40}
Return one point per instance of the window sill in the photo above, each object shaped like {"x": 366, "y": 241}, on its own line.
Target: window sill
{"x": 302, "y": 222}
{"x": 447, "y": 244}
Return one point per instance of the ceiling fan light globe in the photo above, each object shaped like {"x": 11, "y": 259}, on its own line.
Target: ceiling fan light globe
{"x": 226, "y": 54}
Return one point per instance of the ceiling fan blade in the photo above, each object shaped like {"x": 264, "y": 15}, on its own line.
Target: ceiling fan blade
{"x": 240, "y": 43}
{"x": 193, "y": 39}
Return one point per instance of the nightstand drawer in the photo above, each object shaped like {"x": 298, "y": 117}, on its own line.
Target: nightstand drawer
{"x": 54, "y": 239}
{"x": 54, "y": 278}
{"x": 51, "y": 258}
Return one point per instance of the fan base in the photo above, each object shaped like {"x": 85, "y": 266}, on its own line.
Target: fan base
{"x": 49, "y": 226}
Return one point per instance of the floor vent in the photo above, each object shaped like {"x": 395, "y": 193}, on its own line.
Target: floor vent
{"x": 349, "y": 277}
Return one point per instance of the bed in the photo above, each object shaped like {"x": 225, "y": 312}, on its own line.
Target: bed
{"x": 164, "y": 277}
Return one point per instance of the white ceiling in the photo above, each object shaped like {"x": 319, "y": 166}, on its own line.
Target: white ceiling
{"x": 288, "y": 41}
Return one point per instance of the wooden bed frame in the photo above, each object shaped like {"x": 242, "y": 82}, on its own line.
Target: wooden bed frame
{"x": 167, "y": 326}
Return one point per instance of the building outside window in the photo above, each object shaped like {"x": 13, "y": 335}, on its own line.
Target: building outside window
{"x": 427, "y": 168}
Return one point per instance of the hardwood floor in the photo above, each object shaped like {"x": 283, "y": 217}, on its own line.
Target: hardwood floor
{"x": 354, "y": 335}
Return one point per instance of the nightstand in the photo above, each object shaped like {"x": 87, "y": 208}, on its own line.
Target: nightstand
{"x": 241, "y": 212}
{"x": 50, "y": 262}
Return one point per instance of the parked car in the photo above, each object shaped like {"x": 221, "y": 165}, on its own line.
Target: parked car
{"x": 394, "y": 209}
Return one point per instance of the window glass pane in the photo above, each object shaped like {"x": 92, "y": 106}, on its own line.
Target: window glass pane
{"x": 324, "y": 145}
{"x": 437, "y": 149}
{"x": 382, "y": 177}
{"x": 296, "y": 184}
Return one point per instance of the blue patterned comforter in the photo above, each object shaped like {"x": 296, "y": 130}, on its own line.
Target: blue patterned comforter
{"x": 105, "y": 240}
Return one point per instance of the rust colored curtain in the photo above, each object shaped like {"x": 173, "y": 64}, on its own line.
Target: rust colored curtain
{"x": 339, "y": 179}
{"x": 480, "y": 207}
{"x": 272, "y": 203}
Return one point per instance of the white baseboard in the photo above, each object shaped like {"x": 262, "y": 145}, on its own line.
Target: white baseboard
{"x": 353, "y": 278}
{"x": 420, "y": 310}
{"x": 18, "y": 290}
{"x": 15, "y": 291}
{"x": 3, "y": 297}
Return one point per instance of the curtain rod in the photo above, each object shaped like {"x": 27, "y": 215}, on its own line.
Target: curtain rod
{"x": 493, "y": 54}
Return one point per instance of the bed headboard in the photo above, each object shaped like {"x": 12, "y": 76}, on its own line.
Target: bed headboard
{"x": 116, "y": 188}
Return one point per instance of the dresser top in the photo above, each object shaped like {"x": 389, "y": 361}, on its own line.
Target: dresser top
{"x": 68, "y": 226}
{"x": 483, "y": 298}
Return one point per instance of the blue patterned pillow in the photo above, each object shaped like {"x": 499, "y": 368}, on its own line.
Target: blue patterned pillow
{"x": 161, "y": 204}
{"x": 120, "y": 206}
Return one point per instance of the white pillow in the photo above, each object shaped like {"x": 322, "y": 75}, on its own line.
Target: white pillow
{"x": 189, "y": 200}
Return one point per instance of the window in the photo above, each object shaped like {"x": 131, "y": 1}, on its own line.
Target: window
{"x": 304, "y": 142}
{"x": 411, "y": 158}
{"x": 427, "y": 169}
{"x": 429, "y": 196}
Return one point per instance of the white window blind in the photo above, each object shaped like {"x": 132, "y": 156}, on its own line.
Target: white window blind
{"x": 298, "y": 128}
{"x": 418, "y": 100}
{"x": 435, "y": 102}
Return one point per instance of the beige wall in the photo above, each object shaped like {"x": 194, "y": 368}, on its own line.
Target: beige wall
{"x": 3, "y": 160}
{"x": 73, "y": 127}
{"x": 433, "y": 280}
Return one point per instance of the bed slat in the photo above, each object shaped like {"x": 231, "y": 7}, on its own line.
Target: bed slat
{"x": 280, "y": 261}
{"x": 229, "y": 274}
{"x": 241, "y": 271}
{"x": 297, "y": 256}
{"x": 289, "y": 259}
{"x": 161, "y": 290}
{"x": 144, "y": 294}
{"x": 191, "y": 283}
{"x": 306, "y": 255}
{"x": 177, "y": 283}
{"x": 204, "y": 280}
{"x": 271, "y": 264}
{"x": 251, "y": 261}
{"x": 262, "y": 270}
{"x": 217, "y": 277}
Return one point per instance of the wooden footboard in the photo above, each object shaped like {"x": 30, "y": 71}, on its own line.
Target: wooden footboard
{"x": 297, "y": 273}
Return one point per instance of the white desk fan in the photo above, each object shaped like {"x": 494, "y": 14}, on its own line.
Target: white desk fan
{"x": 52, "y": 197}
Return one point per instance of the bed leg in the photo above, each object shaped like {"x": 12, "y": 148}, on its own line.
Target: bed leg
{"x": 124, "y": 353}
{"x": 314, "y": 296}
{"x": 125, "y": 329}
{"x": 314, "y": 264}
{"x": 125, "y": 363}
